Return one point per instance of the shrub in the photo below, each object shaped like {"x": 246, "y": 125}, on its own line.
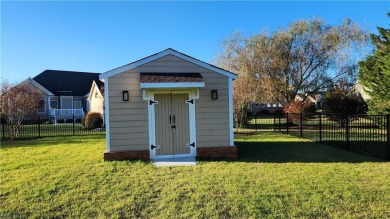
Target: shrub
{"x": 338, "y": 101}
{"x": 60, "y": 120}
{"x": 93, "y": 120}
{"x": 295, "y": 108}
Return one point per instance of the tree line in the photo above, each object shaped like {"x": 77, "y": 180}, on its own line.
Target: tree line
{"x": 306, "y": 58}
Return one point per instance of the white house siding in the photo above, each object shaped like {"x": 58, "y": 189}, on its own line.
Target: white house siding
{"x": 96, "y": 103}
{"x": 129, "y": 120}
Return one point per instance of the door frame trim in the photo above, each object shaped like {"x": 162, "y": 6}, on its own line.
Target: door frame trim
{"x": 192, "y": 94}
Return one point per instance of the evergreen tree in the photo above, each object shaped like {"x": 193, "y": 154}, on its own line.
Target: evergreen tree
{"x": 374, "y": 73}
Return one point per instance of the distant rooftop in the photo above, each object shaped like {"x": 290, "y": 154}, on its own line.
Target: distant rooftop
{"x": 67, "y": 83}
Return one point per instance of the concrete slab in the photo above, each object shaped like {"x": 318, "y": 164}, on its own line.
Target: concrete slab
{"x": 169, "y": 162}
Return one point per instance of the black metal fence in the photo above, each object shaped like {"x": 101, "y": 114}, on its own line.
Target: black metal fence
{"x": 367, "y": 134}
{"x": 48, "y": 126}
{"x": 257, "y": 123}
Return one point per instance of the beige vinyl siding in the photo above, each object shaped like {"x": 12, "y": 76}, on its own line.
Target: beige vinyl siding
{"x": 129, "y": 120}
{"x": 212, "y": 116}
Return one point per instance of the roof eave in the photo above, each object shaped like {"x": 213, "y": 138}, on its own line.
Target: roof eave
{"x": 162, "y": 54}
{"x": 39, "y": 86}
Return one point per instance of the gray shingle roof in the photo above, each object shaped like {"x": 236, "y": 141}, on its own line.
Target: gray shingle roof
{"x": 170, "y": 77}
{"x": 67, "y": 83}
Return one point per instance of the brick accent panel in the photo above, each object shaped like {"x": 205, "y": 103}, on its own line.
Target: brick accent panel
{"x": 217, "y": 152}
{"x": 126, "y": 155}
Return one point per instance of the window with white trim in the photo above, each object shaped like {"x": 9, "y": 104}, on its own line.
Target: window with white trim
{"x": 77, "y": 104}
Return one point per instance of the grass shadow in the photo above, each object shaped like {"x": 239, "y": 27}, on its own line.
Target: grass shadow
{"x": 304, "y": 152}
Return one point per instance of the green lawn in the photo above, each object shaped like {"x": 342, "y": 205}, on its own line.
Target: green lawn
{"x": 276, "y": 176}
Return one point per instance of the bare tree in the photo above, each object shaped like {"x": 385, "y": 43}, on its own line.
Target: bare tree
{"x": 242, "y": 96}
{"x": 16, "y": 102}
{"x": 306, "y": 57}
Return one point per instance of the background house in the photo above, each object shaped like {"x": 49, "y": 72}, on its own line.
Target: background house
{"x": 96, "y": 97}
{"x": 362, "y": 90}
{"x": 65, "y": 92}
{"x": 265, "y": 108}
{"x": 271, "y": 108}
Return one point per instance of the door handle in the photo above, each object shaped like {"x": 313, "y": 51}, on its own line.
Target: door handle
{"x": 173, "y": 123}
{"x": 170, "y": 119}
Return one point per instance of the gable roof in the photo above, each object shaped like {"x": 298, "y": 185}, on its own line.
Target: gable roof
{"x": 163, "y": 53}
{"x": 37, "y": 85}
{"x": 96, "y": 85}
{"x": 66, "y": 83}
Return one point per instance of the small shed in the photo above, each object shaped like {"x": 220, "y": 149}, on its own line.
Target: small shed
{"x": 168, "y": 105}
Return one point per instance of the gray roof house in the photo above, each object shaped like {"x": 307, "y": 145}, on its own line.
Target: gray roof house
{"x": 65, "y": 92}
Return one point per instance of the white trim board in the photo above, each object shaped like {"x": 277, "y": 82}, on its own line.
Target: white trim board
{"x": 107, "y": 117}
{"x": 172, "y": 85}
{"x": 181, "y": 161}
{"x": 161, "y": 54}
{"x": 231, "y": 131}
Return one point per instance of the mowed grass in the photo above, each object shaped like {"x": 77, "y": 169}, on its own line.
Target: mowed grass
{"x": 276, "y": 176}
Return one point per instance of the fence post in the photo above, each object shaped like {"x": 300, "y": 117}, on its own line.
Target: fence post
{"x": 287, "y": 123}
{"x": 280, "y": 125}
{"x": 347, "y": 129}
{"x": 320, "y": 140}
{"x": 388, "y": 135}
{"x": 255, "y": 122}
{"x": 274, "y": 121}
{"x": 3, "y": 130}
{"x": 301, "y": 123}
{"x": 73, "y": 126}
{"x": 39, "y": 126}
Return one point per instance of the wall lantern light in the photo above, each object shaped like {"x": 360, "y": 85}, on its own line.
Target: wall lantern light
{"x": 125, "y": 95}
{"x": 214, "y": 94}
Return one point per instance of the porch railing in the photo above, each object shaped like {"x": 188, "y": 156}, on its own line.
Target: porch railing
{"x": 67, "y": 113}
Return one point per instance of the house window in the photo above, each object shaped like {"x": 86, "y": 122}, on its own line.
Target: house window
{"x": 54, "y": 104}
{"x": 42, "y": 106}
{"x": 77, "y": 104}
{"x": 66, "y": 103}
